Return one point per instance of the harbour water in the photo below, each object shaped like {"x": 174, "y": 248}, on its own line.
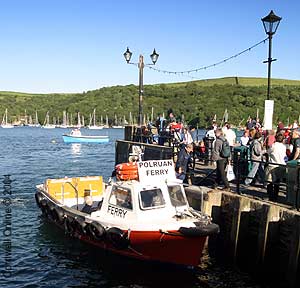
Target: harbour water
{"x": 34, "y": 253}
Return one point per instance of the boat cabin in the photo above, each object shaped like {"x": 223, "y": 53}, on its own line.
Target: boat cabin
{"x": 127, "y": 203}
{"x": 149, "y": 201}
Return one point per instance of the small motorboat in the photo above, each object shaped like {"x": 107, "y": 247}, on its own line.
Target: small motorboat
{"x": 144, "y": 214}
{"x": 76, "y": 137}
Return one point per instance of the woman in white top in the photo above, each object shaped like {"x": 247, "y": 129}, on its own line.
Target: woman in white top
{"x": 186, "y": 136}
{"x": 245, "y": 138}
{"x": 229, "y": 135}
{"x": 277, "y": 154}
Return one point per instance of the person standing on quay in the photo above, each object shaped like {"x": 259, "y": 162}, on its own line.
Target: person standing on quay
{"x": 186, "y": 136}
{"x": 221, "y": 161}
{"x": 183, "y": 160}
{"x": 295, "y": 155}
{"x": 256, "y": 150}
{"x": 245, "y": 138}
{"x": 275, "y": 173}
{"x": 230, "y": 136}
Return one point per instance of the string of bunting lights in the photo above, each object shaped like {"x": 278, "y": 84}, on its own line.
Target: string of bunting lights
{"x": 208, "y": 66}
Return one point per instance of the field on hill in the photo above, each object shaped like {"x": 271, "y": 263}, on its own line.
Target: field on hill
{"x": 244, "y": 81}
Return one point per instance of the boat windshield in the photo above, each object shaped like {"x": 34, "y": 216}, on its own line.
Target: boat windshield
{"x": 176, "y": 196}
{"x": 152, "y": 198}
{"x": 121, "y": 197}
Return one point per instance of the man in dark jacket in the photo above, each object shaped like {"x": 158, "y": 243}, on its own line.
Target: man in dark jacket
{"x": 87, "y": 208}
{"x": 183, "y": 161}
{"x": 295, "y": 155}
{"x": 221, "y": 161}
{"x": 256, "y": 151}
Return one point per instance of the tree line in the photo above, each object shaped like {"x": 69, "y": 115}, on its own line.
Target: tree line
{"x": 189, "y": 99}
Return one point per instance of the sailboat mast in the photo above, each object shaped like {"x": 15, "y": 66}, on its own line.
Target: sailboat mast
{"x": 152, "y": 115}
{"x": 78, "y": 120}
{"x": 36, "y": 118}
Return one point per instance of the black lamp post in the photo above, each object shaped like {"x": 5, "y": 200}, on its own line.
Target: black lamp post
{"x": 154, "y": 56}
{"x": 271, "y": 23}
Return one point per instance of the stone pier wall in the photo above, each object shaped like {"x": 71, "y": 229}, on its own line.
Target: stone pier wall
{"x": 257, "y": 237}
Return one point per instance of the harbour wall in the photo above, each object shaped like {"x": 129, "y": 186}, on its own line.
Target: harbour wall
{"x": 257, "y": 237}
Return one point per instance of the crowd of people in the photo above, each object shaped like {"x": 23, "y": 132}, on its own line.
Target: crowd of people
{"x": 166, "y": 130}
{"x": 268, "y": 150}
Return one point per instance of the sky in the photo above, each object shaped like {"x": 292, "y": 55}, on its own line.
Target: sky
{"x": 56, "y": 46}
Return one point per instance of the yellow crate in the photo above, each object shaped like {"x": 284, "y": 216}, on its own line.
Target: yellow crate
{"x": 55, "y": 187}
{"x": 90, "y": 185}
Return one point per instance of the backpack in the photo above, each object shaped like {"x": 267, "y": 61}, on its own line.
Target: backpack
{"x": 225, "y": 151}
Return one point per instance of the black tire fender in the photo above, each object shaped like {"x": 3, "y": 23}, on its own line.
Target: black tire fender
{"x": 205, "y": 230}
{"x": 69, "y": 224}
{"x": 79, "y": 225}
{"x": 48, "y": 210}
{"x": 96, "y": 231}
{"x": 43, "y": 206}
{"x": 118, "y": 238}
{"x": 57, "y": 214}
{"x": 38, "y": 198}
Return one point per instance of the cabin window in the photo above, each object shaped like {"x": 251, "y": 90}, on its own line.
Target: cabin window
{"x": 121, "y": 197}
{"x": 176, "y": 196}
{"x": 152, "y": 198}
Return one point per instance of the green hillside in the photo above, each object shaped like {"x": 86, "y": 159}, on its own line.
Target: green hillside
{"x": 204, "y": 98}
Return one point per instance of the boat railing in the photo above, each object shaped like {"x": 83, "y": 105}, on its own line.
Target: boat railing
{"x": 167, "y": 139}
{"x": 75, "y": 189}
{"x": 284, "y": 189}
{"x": 124, "y": 150}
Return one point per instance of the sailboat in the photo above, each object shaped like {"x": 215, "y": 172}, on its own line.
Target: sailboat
{"x": 36, "y": 120}
{"x": 64, "y": 120}
{"x": 79, "y": 125}
{"x": 106, "y": 122}
{"x": 225, "y": 117}
{"x": 25, "y": 119}
{"x": 30, "y": 122}
{"x": 130, "y": 119}
{"x": 92, "y": 124}
{"x": 116, "y": 124}
{"x": 4, "y": 123}
{"x": 47, "y": 124}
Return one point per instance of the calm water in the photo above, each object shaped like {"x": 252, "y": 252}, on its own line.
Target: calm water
{"x": 41, "y": 255}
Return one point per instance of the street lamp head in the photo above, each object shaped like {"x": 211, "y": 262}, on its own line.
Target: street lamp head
{"x": 127, "y": 55}
{"x": 271, "y": 23}
{"x": 154, "y": 56}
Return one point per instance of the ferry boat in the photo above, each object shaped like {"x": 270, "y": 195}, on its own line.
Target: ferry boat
{"x": 143, "y": 214}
